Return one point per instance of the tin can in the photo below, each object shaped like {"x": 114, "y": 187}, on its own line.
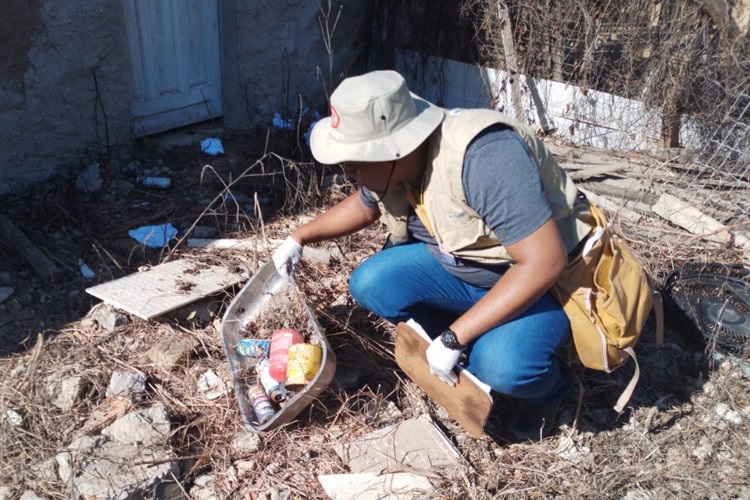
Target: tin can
{"x": 279, "y": 350}
{"x": 275, "y": 390}
{"x": 303, "y": 365}
{"x": 262, "y": 405}
{"x": 255, "y": 348}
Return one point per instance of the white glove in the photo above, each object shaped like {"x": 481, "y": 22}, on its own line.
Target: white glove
{"x": 442, "y": 360}
{"x": 286, "y": 257}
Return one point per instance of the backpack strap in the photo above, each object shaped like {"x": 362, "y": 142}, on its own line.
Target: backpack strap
{"x": 628, "y": 392}
{"x": 658, "y": 307}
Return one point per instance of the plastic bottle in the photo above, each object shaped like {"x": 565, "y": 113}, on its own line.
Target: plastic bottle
{"x": 279, "y": 352}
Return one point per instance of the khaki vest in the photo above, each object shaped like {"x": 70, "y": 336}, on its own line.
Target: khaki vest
{"x": 458, "y": 229}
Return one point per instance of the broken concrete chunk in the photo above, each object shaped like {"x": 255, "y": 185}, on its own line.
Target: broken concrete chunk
{"x": 148, "y": 426}
{"x": 107, "y": 317}
{"x": 65, "y": 392}
{"x": 98, "y": 467}
{"x": 129, "y": 385}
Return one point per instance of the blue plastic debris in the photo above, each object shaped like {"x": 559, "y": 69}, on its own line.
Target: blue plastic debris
{"x": 154, "y": 236}
{"x": 86, "y": 271}
{"x": 212, "y": 146}
{"x": 157, "y": 182}
{"x": 280, "y": 123}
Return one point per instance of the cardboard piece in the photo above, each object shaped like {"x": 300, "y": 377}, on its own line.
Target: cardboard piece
{"x": 468, "y": 402}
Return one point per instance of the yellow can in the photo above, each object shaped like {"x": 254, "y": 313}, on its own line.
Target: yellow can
{"x": 304, "y": 363}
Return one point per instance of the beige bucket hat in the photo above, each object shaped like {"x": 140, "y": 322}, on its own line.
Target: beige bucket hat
{"x": 374, "y": 118}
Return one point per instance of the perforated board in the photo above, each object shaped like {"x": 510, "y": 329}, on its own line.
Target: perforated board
{"x": 166, "y": 287}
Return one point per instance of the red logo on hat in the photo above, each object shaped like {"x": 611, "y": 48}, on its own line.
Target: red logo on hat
{"x": 335, "y": 120}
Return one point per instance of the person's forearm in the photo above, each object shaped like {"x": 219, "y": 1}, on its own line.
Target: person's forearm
{"x": 539, "y": 262}
{"x": 347, "y": 217}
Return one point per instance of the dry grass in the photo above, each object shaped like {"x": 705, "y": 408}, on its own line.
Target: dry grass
{"x": 669, "y": 443}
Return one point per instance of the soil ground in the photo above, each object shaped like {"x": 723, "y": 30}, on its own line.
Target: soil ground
{"x": 684, "y": 434}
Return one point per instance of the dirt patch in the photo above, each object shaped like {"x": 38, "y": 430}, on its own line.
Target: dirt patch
{"x": 684, "y": 433}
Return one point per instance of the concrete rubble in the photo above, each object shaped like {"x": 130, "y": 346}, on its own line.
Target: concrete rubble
{"x": 125, "y": 460}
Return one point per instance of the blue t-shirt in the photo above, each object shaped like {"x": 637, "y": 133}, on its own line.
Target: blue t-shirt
{"x": 501, "y": 183}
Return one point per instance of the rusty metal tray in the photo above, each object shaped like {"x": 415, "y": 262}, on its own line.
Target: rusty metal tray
{"x": 265, "y": 286}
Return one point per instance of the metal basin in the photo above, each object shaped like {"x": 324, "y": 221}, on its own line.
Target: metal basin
{"x": 264, "y": 287}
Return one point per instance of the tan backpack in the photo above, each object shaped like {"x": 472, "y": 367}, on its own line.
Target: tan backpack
{"x": 607, "y": 296}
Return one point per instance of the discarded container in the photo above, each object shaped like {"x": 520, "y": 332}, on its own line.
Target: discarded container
{"x": 303, "y": 364}
{"x": 276, "y": 391}
{"x": 262, "y": 404}
{"x": 279, "y": 352}
{"x": 255, "y": 348}
{"x": 266, "y": 289}
{"x": 157, "y": 182}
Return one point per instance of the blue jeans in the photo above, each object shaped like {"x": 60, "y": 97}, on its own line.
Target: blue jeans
{"x": 518, "y": 358}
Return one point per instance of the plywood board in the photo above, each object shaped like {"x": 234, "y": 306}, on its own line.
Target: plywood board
{"x": 167, "y": 287}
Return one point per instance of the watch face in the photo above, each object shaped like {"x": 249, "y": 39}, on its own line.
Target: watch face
{"x": 449, "y": 340}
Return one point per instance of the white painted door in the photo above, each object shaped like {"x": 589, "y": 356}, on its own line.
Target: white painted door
{"x": 175, "y": 54}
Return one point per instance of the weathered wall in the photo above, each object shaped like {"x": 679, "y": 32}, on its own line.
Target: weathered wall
{"x": 282, "y": 54}
{"x": 49, "y": 116}
{"x": 65, "y": 83}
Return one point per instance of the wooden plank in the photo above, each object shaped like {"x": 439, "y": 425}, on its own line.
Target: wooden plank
{"x": 42, "y": 265}
{"x": 693, "y": 220}
{"x": 586, "y": 173}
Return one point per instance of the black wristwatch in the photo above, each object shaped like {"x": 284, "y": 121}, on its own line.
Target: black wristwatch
{"x": 449, "y": 340}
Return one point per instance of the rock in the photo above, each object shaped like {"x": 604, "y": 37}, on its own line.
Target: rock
{"x": 44, "y": 471}
{"x": 111, "y": 466}
{"x": 13, "y": 417}
{"x": 244, "y": 467}
{"x": 246, "y": 443}
{"x": 65, "y": 393}
{"x": 5, "y": 493}
{"x": 704, "y": 449}
{"x": 149, "y": 426}
{"x": 203, "y": 488}
{"x": 89, "y": 180}
{"x": 107, "y": 317}
{"x": 725, "y": 413}
{"x": 172, "y": 351}
{"x": 125, "y": 384}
